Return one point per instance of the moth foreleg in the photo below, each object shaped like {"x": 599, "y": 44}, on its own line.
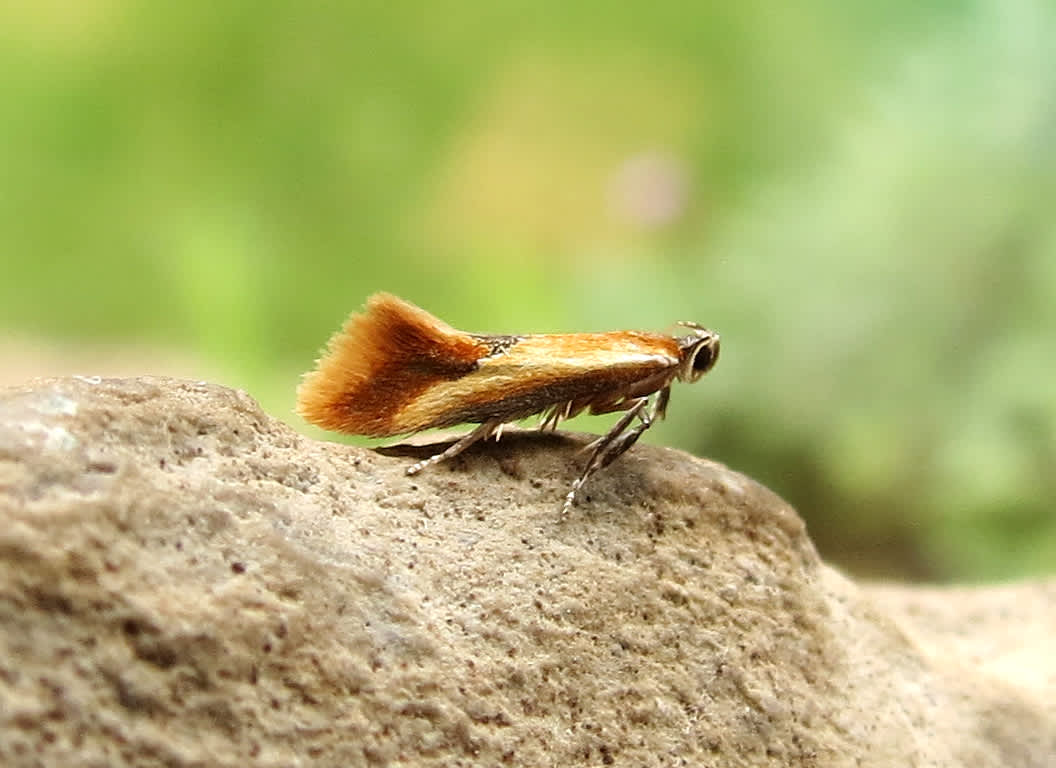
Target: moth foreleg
{"x": 632, "y": 406}
{"x": 659, "y": 409}
{"x": 618, "y": 440}
{"x": 480, "y": 433}
{"x": 621, "y": 442}
{"x": 599, "y": 451}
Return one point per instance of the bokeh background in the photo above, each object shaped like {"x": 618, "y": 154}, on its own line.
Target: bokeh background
{"x": 858, "y": 195}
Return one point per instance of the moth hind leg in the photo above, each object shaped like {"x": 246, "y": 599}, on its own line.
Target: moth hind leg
{"x": 482, "y": 432}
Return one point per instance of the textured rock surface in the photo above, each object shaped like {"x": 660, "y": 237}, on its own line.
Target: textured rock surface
{"x": 185, "y": 581}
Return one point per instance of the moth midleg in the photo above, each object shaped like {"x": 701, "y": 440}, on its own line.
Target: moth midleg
{"x": 480, "y": 433}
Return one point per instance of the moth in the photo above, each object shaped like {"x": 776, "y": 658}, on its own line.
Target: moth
{"x": 396, "y": 369}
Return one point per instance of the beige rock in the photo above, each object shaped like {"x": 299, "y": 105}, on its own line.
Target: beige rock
{"x": 185, "y": 581}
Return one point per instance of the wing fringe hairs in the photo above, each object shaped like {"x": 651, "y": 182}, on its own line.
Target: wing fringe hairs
{"x": 379, "y": 360}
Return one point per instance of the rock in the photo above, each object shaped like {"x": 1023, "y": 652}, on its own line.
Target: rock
{"x": 185, "y": 581}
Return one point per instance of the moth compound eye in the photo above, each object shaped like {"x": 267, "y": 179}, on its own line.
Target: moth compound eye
{"x": 706, "y": 355}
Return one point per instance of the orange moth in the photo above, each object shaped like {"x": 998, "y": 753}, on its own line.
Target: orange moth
{"x": 395, "y": 369}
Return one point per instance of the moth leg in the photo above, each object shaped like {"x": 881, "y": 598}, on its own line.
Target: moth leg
{"x": 626, "y": 404}
{"x": 647, "y": 418}
{"x": 554, "y": 416}
{"x": 611, "y": 446}
{"x": 599, "y": 450}
{"x": 632, "y": 406}
{"x": 480, "y": 433}
{"x": 659, "y": 409}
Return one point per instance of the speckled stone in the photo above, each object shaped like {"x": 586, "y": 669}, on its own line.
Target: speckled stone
{"x": 185, "y": 581}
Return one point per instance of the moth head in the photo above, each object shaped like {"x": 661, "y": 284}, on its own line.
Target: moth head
{"x": 699, "y": 351}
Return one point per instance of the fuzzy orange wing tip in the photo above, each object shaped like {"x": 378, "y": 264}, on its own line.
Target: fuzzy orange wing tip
{"x": 319, "y": 395}
{"x": 324, "y": 395}
{"x": 380, "y": 360}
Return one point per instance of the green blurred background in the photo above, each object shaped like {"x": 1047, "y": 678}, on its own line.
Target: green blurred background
{"x": 857, "y": 195}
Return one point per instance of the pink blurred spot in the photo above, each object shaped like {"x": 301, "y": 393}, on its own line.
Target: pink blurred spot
{"x": 650, "y": 189}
